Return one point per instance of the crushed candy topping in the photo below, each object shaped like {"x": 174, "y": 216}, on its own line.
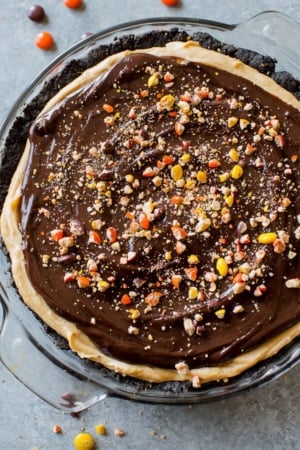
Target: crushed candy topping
{"x": 174, "y": 209}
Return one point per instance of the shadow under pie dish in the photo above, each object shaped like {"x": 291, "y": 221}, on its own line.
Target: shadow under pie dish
{"x": 155, "y": 214}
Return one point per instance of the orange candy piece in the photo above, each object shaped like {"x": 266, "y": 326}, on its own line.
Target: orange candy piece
{"x": 108, "y": 108}
{"x": 94, "y": 238}
{"x": 213, "y": 163}
{"x": 73, "y": 4}
{"x": 178, "y": 232}
{"x": 191, "y": 273}
{"x": 56, "y": 234}
{"x": 83, "y": 282}
{"x": 153, "y": 298}
{"x": 44, "y": 40}
{"x": 168, "y": 159}
{"x": 176, "y": 280}
{"x": 177, "y": 199}
{"x": 125, "y": 299}
{"x": 111, "y": 234}
{"x": 170, "y": 2}
{"x": 144, "y": 221}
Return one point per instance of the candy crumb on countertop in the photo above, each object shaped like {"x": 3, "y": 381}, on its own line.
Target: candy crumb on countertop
{"x": 57, "y": 429}
{"x": 118, "y": 432}
{"x": 101, "y": 429}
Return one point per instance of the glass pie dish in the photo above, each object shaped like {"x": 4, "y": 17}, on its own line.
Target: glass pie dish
{"x": 27, "y": 348}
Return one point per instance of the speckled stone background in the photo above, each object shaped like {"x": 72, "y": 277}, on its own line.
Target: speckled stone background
{"x": 267, "y": 418}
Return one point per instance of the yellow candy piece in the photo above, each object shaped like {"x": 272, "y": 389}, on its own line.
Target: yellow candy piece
{"x": 193, "y": 259}
{"x": 232, "y": 121}
{"x": 202, "y": 176}
{"x": 190, "y": 184}
{"x": 103, "y": 285}
{"x": 224, "y": 177}
{"x": 220, "y": 313}
{"x": 244, "y": 123}
{"x": 153, "y": 80}
{"x": 100, "y": 429}
{"x": 222, "y": 267}
{"x": 229, "y": 200}
{"x": 176, "y": 172}
{"x": 237, "y": 172}
{"x": 167, "y": 102}
{"x": 234, "y": 155}
{"x": 186, "y": 157}
{"x": 84, "y": 441}
{"x": 267, "y": 238}
{"x": 193, "y": 292}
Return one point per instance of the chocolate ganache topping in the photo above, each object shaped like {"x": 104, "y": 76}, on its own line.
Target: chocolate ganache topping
{"x": 160, "y": 212}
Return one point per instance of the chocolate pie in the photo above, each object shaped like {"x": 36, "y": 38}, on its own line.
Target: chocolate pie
{"x": 154, "y": 218}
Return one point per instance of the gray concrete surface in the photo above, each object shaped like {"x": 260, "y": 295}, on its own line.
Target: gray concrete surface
{"x": 263, "y": 419}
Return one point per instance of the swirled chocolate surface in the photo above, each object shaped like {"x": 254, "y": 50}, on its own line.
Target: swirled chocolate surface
{"x": 160, "y": 212}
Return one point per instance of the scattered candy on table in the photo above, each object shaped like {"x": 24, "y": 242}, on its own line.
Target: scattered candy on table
{"x": 86, "y": 35}
{"x": 100, "y": 429}
{"x": 57, "y": 429}
{"x": 73, "y": 4}
{"x": 170, "y": 2}
{"x": 44, "y": 40}
{"x": 84, "y": 441}
{"x": 36, "y": 13}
